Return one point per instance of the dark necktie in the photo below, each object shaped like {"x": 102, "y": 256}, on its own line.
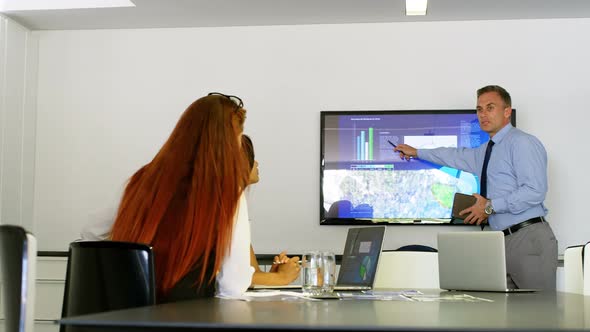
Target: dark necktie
{"x": 484, "y": 176}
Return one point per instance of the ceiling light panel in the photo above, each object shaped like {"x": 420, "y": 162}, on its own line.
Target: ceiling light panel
{"x": 416, "y": 7}
{"x": 16, "y": 5}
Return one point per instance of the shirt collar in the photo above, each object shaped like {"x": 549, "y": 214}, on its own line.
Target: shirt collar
{"x": 502, "y": 133}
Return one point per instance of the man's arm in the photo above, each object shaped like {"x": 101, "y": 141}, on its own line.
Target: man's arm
{"x": 459, "y": 158}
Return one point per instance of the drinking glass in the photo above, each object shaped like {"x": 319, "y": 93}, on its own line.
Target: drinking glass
{"x": 328, "y": 271}
{"x": 311, "y": 273}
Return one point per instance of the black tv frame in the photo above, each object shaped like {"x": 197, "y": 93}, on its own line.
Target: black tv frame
{"x": 378, "y": 221}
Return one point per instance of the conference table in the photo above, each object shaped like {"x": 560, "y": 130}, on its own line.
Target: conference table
{"x": 539, "y": 311}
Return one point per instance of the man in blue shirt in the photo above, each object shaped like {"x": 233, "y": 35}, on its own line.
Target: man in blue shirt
{"x": 512, "y": 197}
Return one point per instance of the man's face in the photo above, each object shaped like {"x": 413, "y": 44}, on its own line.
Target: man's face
{"x": 492, "y": 113}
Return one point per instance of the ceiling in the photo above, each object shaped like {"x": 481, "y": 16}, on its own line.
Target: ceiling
{"x": 218, "y": 13}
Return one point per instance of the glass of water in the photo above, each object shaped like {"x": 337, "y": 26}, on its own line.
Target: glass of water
{"x": 328, "y": 271}
{"x": 312, "y": 273}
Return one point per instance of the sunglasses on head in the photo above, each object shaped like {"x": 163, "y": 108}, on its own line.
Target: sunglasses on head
{"x": 235, "y": 99}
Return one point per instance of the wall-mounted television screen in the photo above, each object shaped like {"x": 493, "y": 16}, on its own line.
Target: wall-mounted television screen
{"x": 363, "y": 181}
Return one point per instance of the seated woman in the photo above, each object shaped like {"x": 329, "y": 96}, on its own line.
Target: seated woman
{"x": 284, "y": 269}
{"x": 189, "y": 204}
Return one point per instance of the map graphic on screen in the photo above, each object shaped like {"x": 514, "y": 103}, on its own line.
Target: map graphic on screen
{"x": 363, "y": 179}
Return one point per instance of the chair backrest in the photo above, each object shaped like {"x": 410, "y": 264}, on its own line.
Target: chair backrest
{"x": 573, "y": 269}
{"x": 416, "y": 247}
{"x": 108, "y": 275}
{"x": 408, "y": 269}
{"x": 586, "y": 268}
{"x": 18, "y": 260}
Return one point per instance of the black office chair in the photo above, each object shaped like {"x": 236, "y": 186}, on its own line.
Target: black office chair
{"x": 108, "y": 275}
{"x": 416, "y": 247}
{"x": 18, "y": 259}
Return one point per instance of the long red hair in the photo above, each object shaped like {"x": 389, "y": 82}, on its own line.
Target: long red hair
{"x": 183, "y": 202}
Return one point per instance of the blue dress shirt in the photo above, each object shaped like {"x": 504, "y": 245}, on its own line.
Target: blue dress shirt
{"x": 517, "y": 174}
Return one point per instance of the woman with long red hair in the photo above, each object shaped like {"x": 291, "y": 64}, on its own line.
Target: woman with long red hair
{"x": 188, "y": 203}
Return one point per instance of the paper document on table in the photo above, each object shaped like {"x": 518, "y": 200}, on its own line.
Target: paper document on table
{"x": 447, "y": 298}
{"x": 258, "y": 295}
{"x": 392, "y": 293}
{"x": 290, "y": 286}
{"x": 383, "y": 295}
{"x": 380, "y": 297}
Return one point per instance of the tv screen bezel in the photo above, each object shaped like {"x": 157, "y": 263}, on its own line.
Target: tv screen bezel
{"x": 378, "y": 221}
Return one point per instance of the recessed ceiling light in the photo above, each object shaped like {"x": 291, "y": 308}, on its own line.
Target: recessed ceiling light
{"x": 416, "y": 7}
{"x": 14, "y": 5}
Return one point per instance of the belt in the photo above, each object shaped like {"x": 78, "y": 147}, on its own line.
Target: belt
{"x": 523, "y": 224}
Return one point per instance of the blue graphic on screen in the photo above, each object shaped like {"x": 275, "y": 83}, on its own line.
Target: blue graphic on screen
{"x": 364, "y": 178}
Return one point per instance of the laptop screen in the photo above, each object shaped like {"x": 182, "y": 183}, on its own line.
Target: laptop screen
{"x": 361, "y": 256}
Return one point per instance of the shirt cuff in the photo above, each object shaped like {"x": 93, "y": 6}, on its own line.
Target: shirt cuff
{"x": 499, "y": 205}
{"x": 418, "y": 153}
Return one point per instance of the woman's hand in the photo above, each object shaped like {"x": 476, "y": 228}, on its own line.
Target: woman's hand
{"x": 289, "y": 271}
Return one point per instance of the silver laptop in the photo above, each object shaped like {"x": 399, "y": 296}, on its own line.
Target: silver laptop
{"x": 473, "y": 261}
{"x": 360, "y": 260}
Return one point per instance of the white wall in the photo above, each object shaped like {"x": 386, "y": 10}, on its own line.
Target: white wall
{"x": 18, "y": 84}
{"x": 107, "y": 100}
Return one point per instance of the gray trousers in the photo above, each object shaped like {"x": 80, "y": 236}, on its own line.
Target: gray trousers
{"x": 531, "y": 257}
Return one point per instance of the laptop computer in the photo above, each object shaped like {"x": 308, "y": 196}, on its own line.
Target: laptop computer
{"x": 360, "y": 258}
{"x": 360, "y": 261}
{"x": 473, "y": 261}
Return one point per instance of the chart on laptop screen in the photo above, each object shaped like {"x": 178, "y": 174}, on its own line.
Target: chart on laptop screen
{"x": 361, "y": 263}
{"x": 361, "y": 256}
